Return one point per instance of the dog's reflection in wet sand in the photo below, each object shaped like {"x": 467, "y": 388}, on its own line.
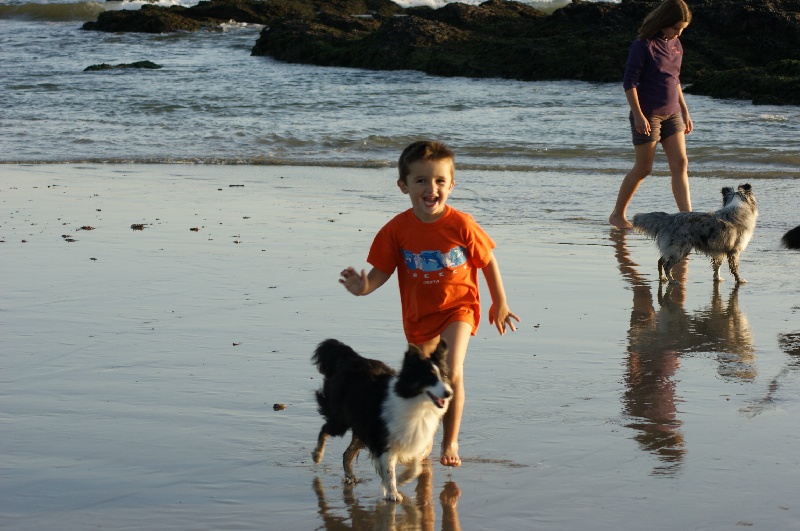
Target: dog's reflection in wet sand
{"x": 410, "y": 514}
{"x": 662, "y": 332}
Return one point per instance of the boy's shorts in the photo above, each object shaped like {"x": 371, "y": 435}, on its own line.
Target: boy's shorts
{"x": 661, "y": 127}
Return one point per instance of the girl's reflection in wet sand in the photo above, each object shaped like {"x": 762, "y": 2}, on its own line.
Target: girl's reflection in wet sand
{"x": 656, "y": 340}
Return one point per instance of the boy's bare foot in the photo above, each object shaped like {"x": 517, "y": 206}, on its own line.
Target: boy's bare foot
{"x": 450, "y": 456}
{"x": 619, "y": 221}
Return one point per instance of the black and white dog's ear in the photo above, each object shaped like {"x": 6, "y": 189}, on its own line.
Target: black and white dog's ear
{"x": 745, "y": 187}
{"x": 441, "y": 350}
{"x": 414, "y": 352}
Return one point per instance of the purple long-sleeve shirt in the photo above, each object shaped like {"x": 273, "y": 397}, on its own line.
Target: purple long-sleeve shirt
{"x": 654, "y": 68}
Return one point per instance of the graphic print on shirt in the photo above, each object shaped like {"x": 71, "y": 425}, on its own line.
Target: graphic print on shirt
{"x": 428, "y": 261}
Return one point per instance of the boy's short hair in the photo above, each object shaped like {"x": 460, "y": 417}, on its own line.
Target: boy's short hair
{"x": 423, "y": 150}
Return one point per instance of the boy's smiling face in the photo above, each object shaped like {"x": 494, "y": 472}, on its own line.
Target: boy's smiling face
{"x": 428, "y": 184}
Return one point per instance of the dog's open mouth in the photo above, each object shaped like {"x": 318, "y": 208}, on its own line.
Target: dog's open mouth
{"x": 440, "y": 402}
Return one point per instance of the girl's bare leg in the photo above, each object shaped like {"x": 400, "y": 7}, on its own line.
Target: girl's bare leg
{"x": 675, "y": 150}
{"x": 645, "y": 154}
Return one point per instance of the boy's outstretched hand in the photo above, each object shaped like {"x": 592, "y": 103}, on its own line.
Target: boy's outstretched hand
{"x": 501, "y": 316}
{"x": 353, "y": 282}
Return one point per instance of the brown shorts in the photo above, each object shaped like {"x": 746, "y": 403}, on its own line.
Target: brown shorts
{"x": 661, "y": 127}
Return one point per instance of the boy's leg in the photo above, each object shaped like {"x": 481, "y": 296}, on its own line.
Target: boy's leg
{"x": 457, "y": 336}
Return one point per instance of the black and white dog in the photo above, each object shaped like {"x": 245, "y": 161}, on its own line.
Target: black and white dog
{"x": 719, "y": 234}
{"x": 791, "y": 240}
{"x": 395, "y": 416}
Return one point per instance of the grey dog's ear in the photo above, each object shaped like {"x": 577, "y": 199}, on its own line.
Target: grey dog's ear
{"x": 726, "y": 193}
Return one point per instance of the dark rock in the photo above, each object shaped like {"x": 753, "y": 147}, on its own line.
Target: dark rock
{"x": 138, "y": 64}
{"x": 583, "y": 40}
{"x": 777, "y": 83}
{"x": 727, "y": 42}
{"x": 209, "y": 15}
{"x": 148, "y": 19}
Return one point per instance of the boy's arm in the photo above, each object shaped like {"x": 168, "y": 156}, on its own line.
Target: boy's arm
{"x": 499, "y": 313}
{"x": 363, "y": 284}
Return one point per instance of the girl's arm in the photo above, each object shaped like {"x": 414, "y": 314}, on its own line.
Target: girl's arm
{"x": 363, "y": 284}
{"x": 499, "y": 313}
{"x": 639, "y": 119}
{"x": 687, "y": 120}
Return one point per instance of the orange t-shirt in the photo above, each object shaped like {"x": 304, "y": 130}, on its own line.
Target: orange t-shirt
{"x": 437, "y": 269}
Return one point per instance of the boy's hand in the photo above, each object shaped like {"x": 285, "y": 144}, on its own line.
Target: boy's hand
{"x": 501, "y": 316}
{"x": 353, "y": 282}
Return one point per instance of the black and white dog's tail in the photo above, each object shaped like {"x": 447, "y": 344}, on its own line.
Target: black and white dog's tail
{"x": 791, "y": 240}
{"x": 651, "y": 223}
{"x": 332, "y": 354}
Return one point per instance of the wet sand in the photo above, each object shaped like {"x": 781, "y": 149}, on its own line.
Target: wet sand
{"x": 151, "y": 317}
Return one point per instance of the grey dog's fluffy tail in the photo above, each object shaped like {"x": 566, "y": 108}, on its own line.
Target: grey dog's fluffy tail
{"x": 650, "y": 223}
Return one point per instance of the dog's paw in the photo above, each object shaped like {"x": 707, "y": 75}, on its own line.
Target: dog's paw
{"x": 350, "y": 479}
{"x": 740, "y": 280}
{"x": 395, "y": 497}
{"x": 316, "y": 455}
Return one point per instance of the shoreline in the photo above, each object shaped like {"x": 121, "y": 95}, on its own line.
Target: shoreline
{"x": 138, "y": 387}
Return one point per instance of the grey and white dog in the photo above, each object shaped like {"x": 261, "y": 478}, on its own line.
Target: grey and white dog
{"x": 720, "y": 234}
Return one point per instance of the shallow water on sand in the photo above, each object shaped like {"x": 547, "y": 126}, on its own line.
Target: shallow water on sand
{"x": 140, "y": 367}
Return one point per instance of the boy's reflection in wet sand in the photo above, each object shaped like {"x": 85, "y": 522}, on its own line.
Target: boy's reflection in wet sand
{"x": 412, "y": 514}
{"x": 656, "y": 340}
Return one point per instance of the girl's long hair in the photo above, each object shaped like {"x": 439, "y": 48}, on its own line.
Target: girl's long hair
{"x": 668, "y": 13}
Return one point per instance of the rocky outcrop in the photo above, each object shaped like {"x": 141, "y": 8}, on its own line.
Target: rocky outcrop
{"x": 730, "y": 44}
{"x": 777, "y": 83}
{"x": 209, "y": 15}
{"x": 147, "y": 65}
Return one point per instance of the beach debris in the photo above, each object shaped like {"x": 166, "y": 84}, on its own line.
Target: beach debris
{"x": 235, "y": 186}
{"x": 195, "y": 229}
{"x": 278, "y": 407}
{"x": 93, "y": 259}
{"x": 235, "y": 344}
{"x": 137, "y": 226}
{"x": 68, "y": 238}
{"x": 237, "y": 241}
{"x": 86, "y": 227}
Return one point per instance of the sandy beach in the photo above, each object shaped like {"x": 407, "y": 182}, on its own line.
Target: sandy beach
{"x": 152, "y": 315}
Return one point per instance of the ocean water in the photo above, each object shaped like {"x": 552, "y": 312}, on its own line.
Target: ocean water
{"x": 212, "y": 102}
